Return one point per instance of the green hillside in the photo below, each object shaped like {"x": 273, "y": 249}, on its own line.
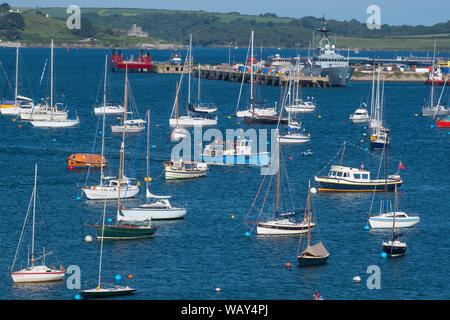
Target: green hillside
{"x": 110, "y": 25}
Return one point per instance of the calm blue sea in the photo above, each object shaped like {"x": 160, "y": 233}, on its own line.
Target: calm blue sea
{"x": 189, "y": 259}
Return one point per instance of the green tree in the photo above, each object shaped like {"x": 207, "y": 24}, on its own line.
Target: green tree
{"x": 4, "y": 7}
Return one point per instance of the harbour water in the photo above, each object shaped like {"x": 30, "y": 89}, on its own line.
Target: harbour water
{"x": 188, "y": 259}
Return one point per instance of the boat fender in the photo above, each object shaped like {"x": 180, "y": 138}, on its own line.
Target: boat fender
{"x": 94, "y": 188}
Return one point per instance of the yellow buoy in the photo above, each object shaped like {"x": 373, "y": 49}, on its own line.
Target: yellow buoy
{"x": 13, "y": 120}
{"x": 138, "y": 183}
{"x": 118, "y": 118}
{"x": 232, "y": 217}
{"x": 416, "y": 115}
{"x": 319, "y": 116}
{"x": 229, "y": 117}
{"x": 157, "y": 125}
{"x": 147, "y": 179}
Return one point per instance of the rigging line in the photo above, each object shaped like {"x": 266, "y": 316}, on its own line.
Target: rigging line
{"x": 92, "y": 151}
{"x": 134, "y": 160}
{"x": 256, "y": 196}
{"x": 373, "y": 195}
{"x": 265, "y": 197}
{"x": 243, "y": 77}
{"x": 339, "y": 151}
{"x": 22, "y": 232}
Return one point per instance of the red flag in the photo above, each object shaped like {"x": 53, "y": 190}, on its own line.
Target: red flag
{"x": 362, "y": 165}
{"x": 401, "y": 166}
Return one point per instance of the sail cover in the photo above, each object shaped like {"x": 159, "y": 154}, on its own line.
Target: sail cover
{"x": 151, "y": 195}
{"x": 317, "y": 250}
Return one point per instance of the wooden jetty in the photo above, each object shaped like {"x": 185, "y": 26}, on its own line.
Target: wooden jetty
{"x": 226, "y": 73}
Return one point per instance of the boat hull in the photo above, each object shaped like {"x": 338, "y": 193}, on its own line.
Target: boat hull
{"x": 27, "y": 276}
{"x": 394, "y": 250}
{"x": 262, "y": 159}
{"x": 124, "y": 232}
{"x": 55, "y": 123}
{"x": 105, "y": 192}
{"x": 338, "y": 76}
{"x": 325, "y": 185}
{"x": 443, "y": 123}
{"x": 387, "y": 223}
{"x": 174, "y": 174}
{"x": 122, "y": 129}
{"x": 311, "y": 261}
{"x": 109, "y": 110}
{"x": 192, "y": 122}
{"x": 291, "y": 139}
{"x": 268, "y": 229}
{"x": 142, "y": 212}
{"x": 105, "y": 292}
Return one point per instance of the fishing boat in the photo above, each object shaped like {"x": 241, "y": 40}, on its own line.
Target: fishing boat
{"x": 255, "y": 109}
{"x": 108, "y": 107}
{"x": 285, "y": 222}
{"x": 124, "y": 230}
{"x": 313, "y": 254}
{"x": 179, "y": 169}
{"x": 34, "y": 273}
{"x": 156, "y": 207}
{"x": 234, "y": 153}
{"x": 13, "y": 107}
{"x": 128, "y": 125}
{"x": 100, "y": 291}
{"x": 86, "y": 160}
{"x": 193, "y": 118}
{"x": 348, "y": 179}
{"x": 360, "y": 116}
{"x": 175, "y": 58}
{"x": 443, "y": 122}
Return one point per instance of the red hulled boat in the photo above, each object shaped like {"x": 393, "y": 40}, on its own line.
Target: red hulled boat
{"x": 141, "y": 64}
{"x": 443, "y": 123}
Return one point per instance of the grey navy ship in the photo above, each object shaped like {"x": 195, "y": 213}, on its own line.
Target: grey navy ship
{"x": 330, "y": 63}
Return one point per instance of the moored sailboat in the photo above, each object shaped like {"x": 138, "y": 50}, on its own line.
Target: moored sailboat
{"x": 35, "y": 273}
{"x": 313, "y": 254}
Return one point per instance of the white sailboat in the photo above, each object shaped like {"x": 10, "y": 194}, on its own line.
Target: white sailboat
{"x": 128, "y": 125}
{"x": 386, "y": 216}
{"x": 157, "y": 209}
{"x": 108, "y": 107}
{"x": 201, "y": 107}
{"x": 192, "y": 119}
{"x": 12, "y": 108}
{"x": 298, "y": 104}
{"x": 109, "y": 186}
{"x": 34, "y": 273}
{"x": 253, "y": 108}
{"x": 178, "y": 133}
{"x": 435, "y": 110}
{"x": 50, "y": 116}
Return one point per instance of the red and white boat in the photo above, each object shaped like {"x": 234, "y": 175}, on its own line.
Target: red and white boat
{"x": 443, "y": 123}
{"x": 35, "y": 273}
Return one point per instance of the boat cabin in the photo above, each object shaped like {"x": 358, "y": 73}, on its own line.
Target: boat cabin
{"x": 349, "y": 173}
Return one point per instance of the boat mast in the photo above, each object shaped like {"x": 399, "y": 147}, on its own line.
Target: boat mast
{"x": 251, "y": 73}
{"x": 385, "y": 149}
{"x": 51, "y": 76}
{"x": 278, "y": 178}
{"x": 432, "y": 82}
{"x": 176, "y": 104}
{"x": 101, "y": 247}
{"x": 309, "y": 213}
{"x": 148, "y": 151}
{"x": 17, "y": 76}
{"x": 189, "y": 68}
{"x": 342, "y": 155}
{"x": 198, "y": 92}
{"x": 34, "y": 214}
{"x": 103, "y": 126}
{"x": 125, "y": 103}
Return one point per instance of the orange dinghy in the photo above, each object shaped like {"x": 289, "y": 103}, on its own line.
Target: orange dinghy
{"x": 86, "y": 160}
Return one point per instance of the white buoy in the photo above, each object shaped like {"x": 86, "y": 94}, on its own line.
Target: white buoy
{"x": 88, "y": 238}
{"x": 356, "y": 279}
{"x": 313, "y": 190}
{"x": 217, "y": 289}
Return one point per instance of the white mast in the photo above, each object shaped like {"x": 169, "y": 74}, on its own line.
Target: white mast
{"x": 189, "y": 68}
{"x": 103, "y": 126}
{"x": 17, "y": 76}
{"x": 34, "y": 214}
{"x": 51, "y": 76}
{"x": 251, "y": 73}
{"x": 147, "y": 192}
